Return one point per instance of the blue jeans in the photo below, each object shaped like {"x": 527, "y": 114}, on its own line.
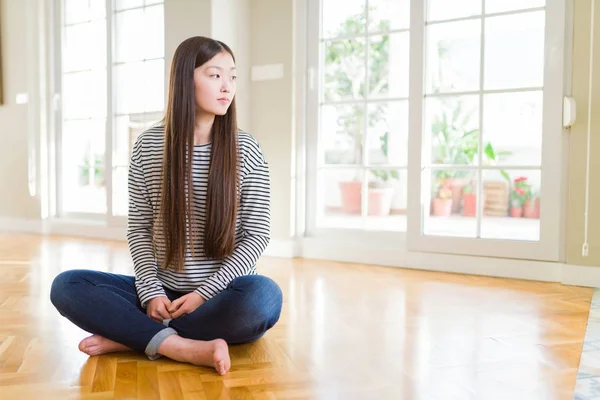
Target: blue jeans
{"x": 107, "y": 305}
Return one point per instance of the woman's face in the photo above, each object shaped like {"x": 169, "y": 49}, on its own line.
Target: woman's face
{"x": 215, "y": 84}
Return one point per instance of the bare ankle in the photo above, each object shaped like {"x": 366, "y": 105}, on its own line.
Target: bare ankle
{"x": 214, "y": 353}
{"x": 174, "y": 347}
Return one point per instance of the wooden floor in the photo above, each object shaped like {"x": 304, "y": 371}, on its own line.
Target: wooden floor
{"x": 346, "y": 332}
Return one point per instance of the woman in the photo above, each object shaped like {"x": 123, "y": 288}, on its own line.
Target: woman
{"x": 199, "y": 219}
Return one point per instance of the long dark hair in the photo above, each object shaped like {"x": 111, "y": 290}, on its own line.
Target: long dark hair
{"x": 176, "y": 217}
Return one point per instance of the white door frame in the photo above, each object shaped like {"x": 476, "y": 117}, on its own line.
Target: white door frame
{"x": 55, "y": 212}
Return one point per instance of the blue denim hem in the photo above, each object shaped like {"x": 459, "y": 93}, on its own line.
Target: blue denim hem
{"x": 152, "y": 347}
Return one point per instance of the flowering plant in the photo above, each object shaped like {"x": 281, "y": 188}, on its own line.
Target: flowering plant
{"x": 520, "y": 192}
{"x": 444, "y": 193}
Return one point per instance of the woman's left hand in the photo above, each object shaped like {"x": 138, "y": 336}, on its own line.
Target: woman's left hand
{"x": 185, "y": 304}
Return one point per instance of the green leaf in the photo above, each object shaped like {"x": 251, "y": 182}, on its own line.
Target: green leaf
{"x": 470, "y": 133}
{"x": 489, "y": 151}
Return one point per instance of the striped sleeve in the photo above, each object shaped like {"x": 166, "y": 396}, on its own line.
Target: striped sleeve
{"x": 139, "y": 232}
{"x": 255, "y": 216}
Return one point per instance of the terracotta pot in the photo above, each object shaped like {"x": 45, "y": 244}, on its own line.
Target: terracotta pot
{"x": 380, "y": 201}
{"x": 516, "y": 212}
{"x": 531, "y": 209}
{"x": 469, "y": 208}
{"x": 350, "y": 193}
{"x": 457, "y": 191}
{"x": 441, "y": 207}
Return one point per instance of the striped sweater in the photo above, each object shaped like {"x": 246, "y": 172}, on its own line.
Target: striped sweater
{"x": 206, "y": 276}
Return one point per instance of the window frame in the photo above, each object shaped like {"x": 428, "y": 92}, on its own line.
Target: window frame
{"x": 57, "y": 106}
{"x": 557, "y": 59}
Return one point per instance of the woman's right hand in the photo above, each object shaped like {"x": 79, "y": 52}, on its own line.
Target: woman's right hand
{"x": 157, "y": 307}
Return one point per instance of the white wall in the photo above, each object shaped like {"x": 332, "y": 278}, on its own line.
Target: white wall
{"x": 183, "y": 19}
{"x": 231, "y": 25}
{"x": 271, "y": 105}
{"x": 225, "y": 20}
{"x": 19, "y": 61}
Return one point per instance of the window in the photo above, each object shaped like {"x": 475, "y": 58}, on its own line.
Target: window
{"x": 483, "y": 116}
{"x": 110, "y": 94}
{"x": 363, "y": 111}
{"x": 439, "y": 119}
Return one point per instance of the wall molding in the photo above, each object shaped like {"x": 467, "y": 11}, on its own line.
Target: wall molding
{"x": 21, "y": 225}
{"x": 283, "y": 248}
{"x": 581, "y": 275}
{"x": 544, "y": 271}
{"x": 374, "y": 253}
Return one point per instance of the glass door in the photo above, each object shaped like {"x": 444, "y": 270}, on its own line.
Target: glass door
{"x": 358, "y": 115}
{"x": 111, "y": 84}
{"x": 486, "y": 132}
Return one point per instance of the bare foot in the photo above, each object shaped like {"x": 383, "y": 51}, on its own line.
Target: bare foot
{"x": 96, "y": 345}
{"x": 214, "y": 353}
{"x": 221, "y": 359}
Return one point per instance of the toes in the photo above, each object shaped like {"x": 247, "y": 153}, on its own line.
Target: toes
{"x": 93, "y": 351}
{"x": 221, "y": 367}
{"x": 83, "y": 346}
{"x": 85, "y": 343}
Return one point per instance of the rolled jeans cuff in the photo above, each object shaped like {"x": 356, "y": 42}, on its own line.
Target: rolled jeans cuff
{"x": 152, "y": 347}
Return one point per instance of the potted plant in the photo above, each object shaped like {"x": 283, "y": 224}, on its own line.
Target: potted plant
{"x": 469, "y": 201}
{"x": 455, "y": 144}
{"x": 97, "y": 170}
{"x": 518, "y": 195}
{"x": 83, "y": 175}
{"x": 381, "y": 192}
{"x": 380, "y": 189}
{"x": 350, "y": 193}
{"x": 442, "y": 202}
{"x": 347, "y": 74}
{"x": 531, "y": 207}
